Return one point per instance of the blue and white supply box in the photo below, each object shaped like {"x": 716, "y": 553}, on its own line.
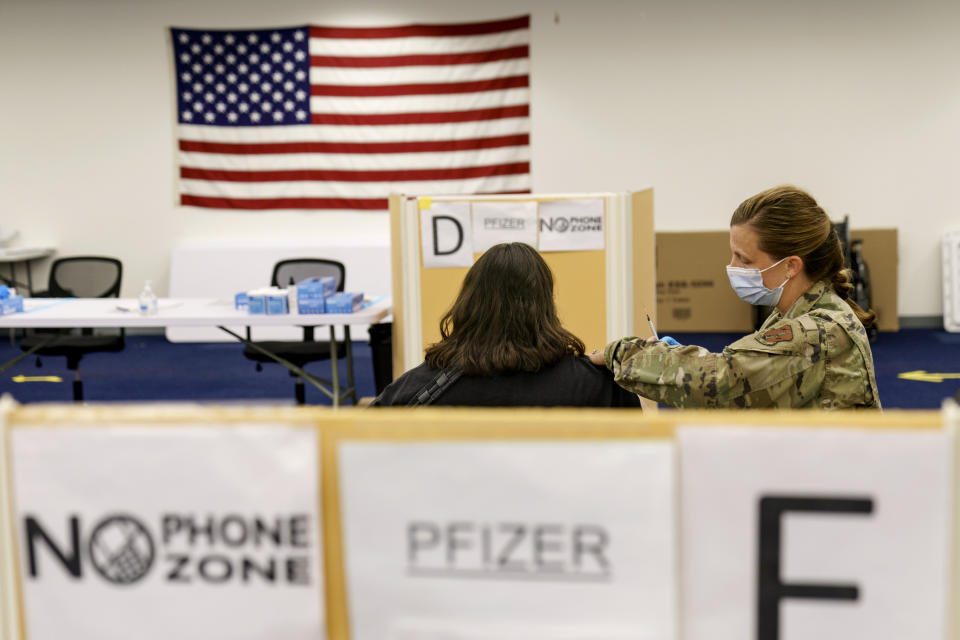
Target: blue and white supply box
{"x": 277, "y": 301}
{"x": 256, "y": 302}
{"x": 312, "y": 294}
{"x": 268, "y": 300}
{"x": 344, "y": 302}
{"x": 10, "y": 302}
{"x": 241, "y": 301}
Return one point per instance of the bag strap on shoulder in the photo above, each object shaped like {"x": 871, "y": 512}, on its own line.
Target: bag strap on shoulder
{"x": 429, "y": 393}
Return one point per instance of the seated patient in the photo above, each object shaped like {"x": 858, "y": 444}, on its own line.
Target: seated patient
{"x": 503, "y": 345}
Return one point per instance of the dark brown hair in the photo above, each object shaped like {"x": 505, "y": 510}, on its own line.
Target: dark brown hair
{"x": 789, "y": 222}
{"x": 504, "y": 318}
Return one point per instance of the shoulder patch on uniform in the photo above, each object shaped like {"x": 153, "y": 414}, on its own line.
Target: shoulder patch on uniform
{"x": 778, "y": 334}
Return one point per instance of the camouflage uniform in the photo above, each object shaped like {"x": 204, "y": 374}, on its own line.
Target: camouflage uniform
{"x": 818, "y": 356}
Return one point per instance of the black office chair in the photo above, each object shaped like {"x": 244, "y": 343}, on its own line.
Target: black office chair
{"x": 78, "y": 277}
{"x": 287, "y": 273}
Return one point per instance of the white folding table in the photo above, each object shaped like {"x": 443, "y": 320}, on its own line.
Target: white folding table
{"x": 61, "y": 313}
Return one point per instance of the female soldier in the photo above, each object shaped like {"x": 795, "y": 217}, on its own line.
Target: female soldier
{"x": 503, "y": 345}
{"x": 811, "y": 352}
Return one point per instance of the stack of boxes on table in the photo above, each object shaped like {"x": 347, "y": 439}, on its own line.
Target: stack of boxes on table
{"x": 310, "y": 296}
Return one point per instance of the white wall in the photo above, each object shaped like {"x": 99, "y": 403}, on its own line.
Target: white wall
{"x": 708, "y": 102}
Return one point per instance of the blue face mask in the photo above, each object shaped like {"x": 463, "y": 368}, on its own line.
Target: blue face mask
{"x": 748, "y": 284}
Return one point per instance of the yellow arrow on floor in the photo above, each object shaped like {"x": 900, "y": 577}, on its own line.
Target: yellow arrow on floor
{"x": 37, "y": 379}
{"x": 923, "y": 376}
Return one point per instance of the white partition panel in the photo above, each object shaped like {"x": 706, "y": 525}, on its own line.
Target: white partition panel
{"x": 509, "y": 540}
{"x": 168, "y": 531}
{"x": 829, "y": 533}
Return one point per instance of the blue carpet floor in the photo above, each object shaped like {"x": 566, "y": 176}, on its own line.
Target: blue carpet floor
{"x": 152, "y": 369}
{"x": 893, "y": 353}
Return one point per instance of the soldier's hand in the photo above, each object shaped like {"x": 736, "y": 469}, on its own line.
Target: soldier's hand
{"x": 596, "y": 357}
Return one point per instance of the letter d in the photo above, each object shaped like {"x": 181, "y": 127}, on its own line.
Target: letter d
{"x": 436, "y": 238}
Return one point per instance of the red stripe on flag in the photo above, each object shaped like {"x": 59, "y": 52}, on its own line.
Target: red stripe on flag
{"x": 335, "y": 175}
{"x": 424, "y": 60}
{"x": 421, "y": 30}
{"x": 426, "y": 146}
{"x": 284, "y": 203}
{"x": 436, "y": 117}
{"x": 495, "y": 84}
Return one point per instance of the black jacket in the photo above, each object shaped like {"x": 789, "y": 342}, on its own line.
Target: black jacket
{"x": 571, "y": 382}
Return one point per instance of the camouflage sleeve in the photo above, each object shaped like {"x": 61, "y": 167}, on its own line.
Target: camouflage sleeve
{"x": 684, "y": 376}
{"x": 776, "y": 368}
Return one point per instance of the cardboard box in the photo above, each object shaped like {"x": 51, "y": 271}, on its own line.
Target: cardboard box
{"x": 882, "y": 257}
{"x": 694, "y": 294}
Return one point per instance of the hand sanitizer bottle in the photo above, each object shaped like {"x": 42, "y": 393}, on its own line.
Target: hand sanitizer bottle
{"x": 148, "y": 301}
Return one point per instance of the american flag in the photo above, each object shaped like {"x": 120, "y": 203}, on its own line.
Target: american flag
{"x": 315, "y": 117}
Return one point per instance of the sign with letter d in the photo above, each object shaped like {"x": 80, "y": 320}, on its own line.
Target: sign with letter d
{"x": 445, "y": 234}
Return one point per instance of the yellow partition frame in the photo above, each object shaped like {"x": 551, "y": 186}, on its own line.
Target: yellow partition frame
{"x": 601, "y": 294}
{"x": 335, "y": 426}
{"x": 10, "y": 619}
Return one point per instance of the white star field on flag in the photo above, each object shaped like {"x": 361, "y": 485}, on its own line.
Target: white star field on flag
{"x": 237, "y": 78}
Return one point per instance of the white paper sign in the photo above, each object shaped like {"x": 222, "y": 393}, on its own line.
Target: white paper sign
{"x": 496, "y": 222}
{"x": 445, "y": 235}
{"x": 572, "y": 225}
{"x": 504, "y": 540}
{"x": 158, "y": 532}
{"x": 857, "y": 520}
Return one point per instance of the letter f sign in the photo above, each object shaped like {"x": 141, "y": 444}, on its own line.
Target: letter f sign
{"x": 770, "y": 590}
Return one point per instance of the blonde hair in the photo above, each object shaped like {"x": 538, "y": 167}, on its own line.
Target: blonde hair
{"x": 789, "y": 222}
